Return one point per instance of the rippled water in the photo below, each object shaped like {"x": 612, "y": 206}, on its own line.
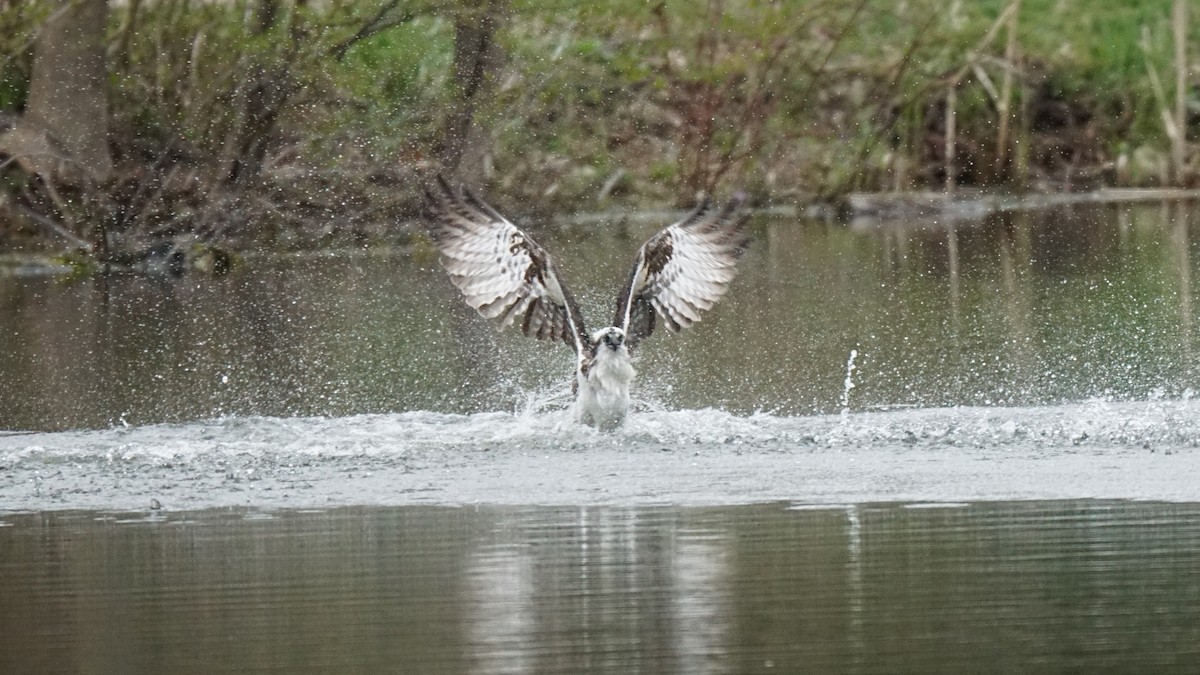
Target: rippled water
{"x": 990, "y": 587}
{"x": 925, "y": 448}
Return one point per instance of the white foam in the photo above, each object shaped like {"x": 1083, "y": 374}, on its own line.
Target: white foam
{"x": 546, "y": 427}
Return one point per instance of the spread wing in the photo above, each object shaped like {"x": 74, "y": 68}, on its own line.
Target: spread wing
{"x": 682, "y": 271}
{"x": 503, "y": 273}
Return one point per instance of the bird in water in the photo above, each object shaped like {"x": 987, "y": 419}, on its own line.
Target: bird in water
{"x": 679, "y": 273}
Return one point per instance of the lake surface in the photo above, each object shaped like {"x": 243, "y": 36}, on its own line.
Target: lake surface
{"x": 1018, "y": 310}
{"x": 922, "y": 447}
{"x": 989, "y": 587}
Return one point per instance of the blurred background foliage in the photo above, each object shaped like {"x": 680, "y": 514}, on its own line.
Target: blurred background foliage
{"x": 305, "y": 122}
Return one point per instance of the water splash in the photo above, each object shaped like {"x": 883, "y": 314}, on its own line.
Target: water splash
{"x": 539, "y": 400}
{"x": 707, "y": 455}
{"x": 848, "y": 384}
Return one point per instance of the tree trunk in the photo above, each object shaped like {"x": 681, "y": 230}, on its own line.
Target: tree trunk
{"x": 266, "y": 90}
{"x": 1179, "y": 141}
{"x": 64, "y": 129}
{"x": 465, "y": 145}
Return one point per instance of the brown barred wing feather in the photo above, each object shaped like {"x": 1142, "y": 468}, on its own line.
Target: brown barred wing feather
{"x": 502, "y": 272}
{"x": 682, "y": 271}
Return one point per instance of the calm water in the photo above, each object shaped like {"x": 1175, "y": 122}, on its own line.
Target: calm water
{"x": 892, "y": 449}
{"x": 1025, "y": 309}
{"x": 1034, "y": 587}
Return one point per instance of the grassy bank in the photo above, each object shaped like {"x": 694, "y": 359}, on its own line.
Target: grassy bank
{"x": 590, "y": 105}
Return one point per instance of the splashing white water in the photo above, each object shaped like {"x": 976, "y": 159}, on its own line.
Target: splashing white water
{"x": 546, "y": 424}
{"x": 848, "y": 384}
{"x": 1142, "y": 450}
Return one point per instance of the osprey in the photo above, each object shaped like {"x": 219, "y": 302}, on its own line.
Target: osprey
{"x": 507, "y": 277}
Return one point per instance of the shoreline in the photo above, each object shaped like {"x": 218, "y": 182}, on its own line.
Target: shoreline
{"x": 857, "y": 210}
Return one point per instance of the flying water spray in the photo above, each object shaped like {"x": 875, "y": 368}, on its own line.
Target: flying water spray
{"x": 848, "y": 383}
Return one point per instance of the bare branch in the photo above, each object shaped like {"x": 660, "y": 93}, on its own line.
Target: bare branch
{"x": 376, "y": 25}
{"x": 54, "y": 227}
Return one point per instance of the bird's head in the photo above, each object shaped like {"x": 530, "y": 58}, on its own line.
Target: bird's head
{"x": 612, "y": 338}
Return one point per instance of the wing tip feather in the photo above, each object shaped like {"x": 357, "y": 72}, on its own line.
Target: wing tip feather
{"x": 701, "y": 250}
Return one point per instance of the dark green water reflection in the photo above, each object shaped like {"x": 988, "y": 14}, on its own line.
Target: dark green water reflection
{"x": 1014, "y": 587}
{"x": 1020, "y": 309}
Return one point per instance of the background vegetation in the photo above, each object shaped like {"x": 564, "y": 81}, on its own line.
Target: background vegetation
{"x": 279, "y": 123}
